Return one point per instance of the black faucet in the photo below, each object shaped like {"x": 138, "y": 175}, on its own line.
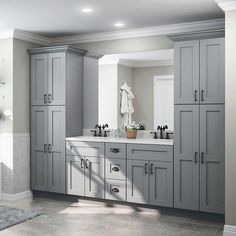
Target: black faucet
{"x": 162, "y": 129}
{"x": 99, "y": 127}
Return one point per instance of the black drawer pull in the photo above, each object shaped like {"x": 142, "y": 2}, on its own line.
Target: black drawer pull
{"x": 115, "y": 150}
{"x": 115, "y": 190}
{"x": 115, "y": 169}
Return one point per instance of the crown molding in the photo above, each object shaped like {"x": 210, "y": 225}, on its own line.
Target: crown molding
{"x": 26, "y": 36}
{"x": 226, "y": 5}
{"x": 218, "y": 24}
{"x": 143, "y": 32}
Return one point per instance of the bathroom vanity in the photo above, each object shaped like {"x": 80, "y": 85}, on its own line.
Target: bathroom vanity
{"x": 139, "y": 170}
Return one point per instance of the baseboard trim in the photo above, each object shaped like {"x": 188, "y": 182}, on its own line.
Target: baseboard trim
{"x": 229, "y": 230}
{"x": 17, "y": 196}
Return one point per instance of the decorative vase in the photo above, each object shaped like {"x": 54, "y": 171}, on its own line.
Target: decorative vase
{"x": 131, "y": 133}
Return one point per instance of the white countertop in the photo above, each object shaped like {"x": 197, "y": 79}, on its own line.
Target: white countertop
{"x": 121, "y": 140}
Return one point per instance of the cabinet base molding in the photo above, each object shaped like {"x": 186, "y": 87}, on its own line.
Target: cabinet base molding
{"x": 17, "y": 196}
{"x": 229, "y": 230}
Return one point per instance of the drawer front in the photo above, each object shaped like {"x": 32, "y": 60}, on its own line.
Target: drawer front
{"x": 115, "y": 168}
{"x": 116, "y": 150}
{"x": 150, "y": 152}
{"x": 90, "y": 149}
{"x": 116, "y": 190}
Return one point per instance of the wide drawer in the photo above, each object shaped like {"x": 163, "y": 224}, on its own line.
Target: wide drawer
{"x": 79, "y": 148}
{"x": 116, "y": 150}
{"x": 150, "y": 152}
{"x": 115, "y": 168}
{"x": 116, "y": 190}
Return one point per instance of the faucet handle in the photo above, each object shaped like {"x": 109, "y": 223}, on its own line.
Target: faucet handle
{"x": 105, "y": 126}
{"x": 94, "y": 132}
{"x": 155, "y": 134}
{"x": 106, "y": 132}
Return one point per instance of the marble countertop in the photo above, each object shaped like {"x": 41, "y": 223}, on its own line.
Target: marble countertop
{"x": 121, "y": 140}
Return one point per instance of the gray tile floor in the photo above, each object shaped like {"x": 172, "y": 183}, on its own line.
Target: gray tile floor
{"x": 91, "y": 218}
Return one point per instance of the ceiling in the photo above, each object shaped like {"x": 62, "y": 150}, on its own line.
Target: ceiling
{"x": 53, "y": 18}
{"x": 140, "y": 59}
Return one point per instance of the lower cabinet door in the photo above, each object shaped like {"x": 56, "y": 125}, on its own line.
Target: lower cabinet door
{"x": 137, "y": 181}
{"x": 161, "y": 183}
{"x": 75, "y": 175}
{"x": 94, "y": 177}
{"x": 115, "y": 190}
{"x": 56, "y": 149}
{"x": 212, "y": 158}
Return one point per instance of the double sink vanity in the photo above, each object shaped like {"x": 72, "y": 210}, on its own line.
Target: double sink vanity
{"x": 138, "y": 170}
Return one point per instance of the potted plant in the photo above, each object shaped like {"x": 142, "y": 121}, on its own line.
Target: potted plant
{"x": 132, "y": 130}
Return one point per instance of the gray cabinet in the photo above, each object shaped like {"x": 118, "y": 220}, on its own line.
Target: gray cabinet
{"x": 199, "y": 158}
{"x": 199, "y": 71}
{"x": 137, "y": 181}
{"x": 75, "y": 175}
{"x": 161, "y": 183}
{"x": 39, "y": 160}
{"x": 48, "y": 148}
{"x": 186, "y": 72}
{"x": 57, "y": 105}
{"x": 212, "y": 71}
{"x": 150, "y": 174}
{"x": 39, "y": 82}
{"x": 94, "y": 177}
{"x": 85, "y": 168}
{"x": 212, "y": 158}
{"x": 186, "y": 157}
{"x": 56, "y": 149}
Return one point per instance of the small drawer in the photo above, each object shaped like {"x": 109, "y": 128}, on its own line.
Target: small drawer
{"x": 116, "y": 190}
{"x": 82, "y": 148}
{"x": 150, "y": 152}
{"x": 115, "y": 168}
{"x": 116, "y": 150}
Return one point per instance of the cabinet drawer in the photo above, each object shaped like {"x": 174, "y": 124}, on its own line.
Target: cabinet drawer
{"x": 116, "y": 150}
{"x": 90, "y": 149}
{"x": 116, "y": 190}
{"x": 150, "y": 152}
{"x": 115, "y": 168}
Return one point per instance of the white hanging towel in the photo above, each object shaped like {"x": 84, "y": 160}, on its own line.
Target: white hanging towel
{"x": 126, "y": 106}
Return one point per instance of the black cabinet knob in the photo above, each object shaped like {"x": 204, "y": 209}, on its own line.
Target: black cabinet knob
{"x": 115, "y": 150}
{"x": 115, "y": 190}
{"x": 115, "y": 169}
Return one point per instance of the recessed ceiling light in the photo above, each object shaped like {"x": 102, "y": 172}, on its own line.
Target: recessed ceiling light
{"x": 119, "y": 24}
{"x": 87, "y": 10}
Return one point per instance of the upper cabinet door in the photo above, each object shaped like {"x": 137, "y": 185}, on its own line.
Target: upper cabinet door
{"x": 212, "y": 70}
{"x": 186, "y": 153}
{"x": 39, "y": 148}
{"x": 57, "y": 78}
{"x": 39, "y": 79}
{"x": 56, "y": 149}
{"x": 186, "y": 80}
{"x": 212, "y": 158}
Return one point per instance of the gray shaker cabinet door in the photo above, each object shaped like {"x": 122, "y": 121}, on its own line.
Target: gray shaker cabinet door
{"x": 212, "y": 70}
{"x": 137, "y": 181}
{"x": 57, "y": 78}
{"x": 186, "y": 86}
{"x": 94, "y": 177}
{"x": 39, "y": 148}
{"x": 56, "y": 148}
{"x": 212, "y": 158}
{"x": 75, "y": 175}
{"x": 161, "y": 184}
{"x": 39, "y": 79}
{"x": 186, "y": 157}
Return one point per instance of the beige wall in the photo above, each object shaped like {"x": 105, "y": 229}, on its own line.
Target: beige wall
{"x": 6, "y": 75}
{"x": 230, "y": 118}
{"x": 21, "y": 85}
{"x": 127, "y": 45}
{"x": 143, "y": 88}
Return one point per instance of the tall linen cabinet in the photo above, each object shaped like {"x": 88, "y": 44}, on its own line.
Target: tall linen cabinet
{"x": 56, "y": 112}
{"x": 199, "y": 125}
